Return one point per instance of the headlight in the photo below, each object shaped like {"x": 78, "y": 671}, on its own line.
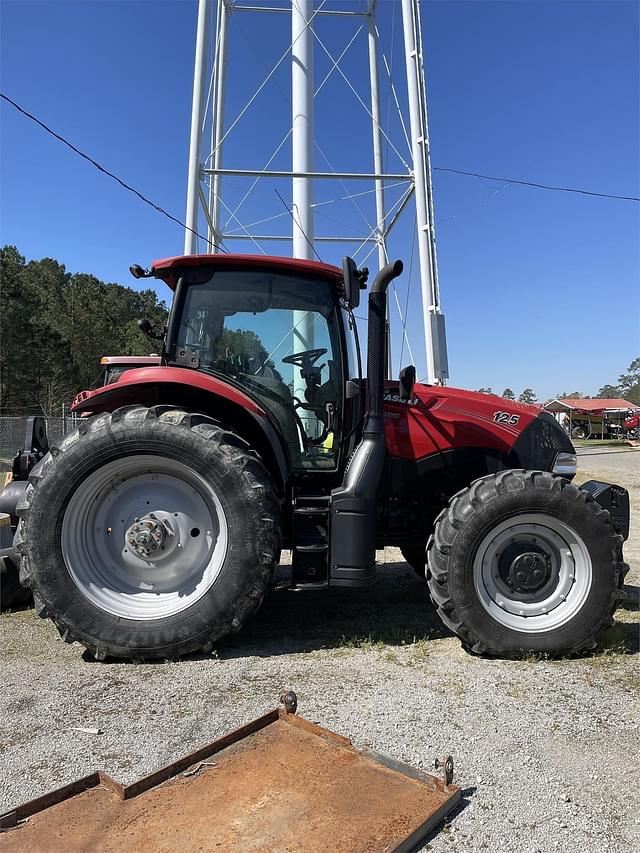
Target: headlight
{"x": 565, "y": 464}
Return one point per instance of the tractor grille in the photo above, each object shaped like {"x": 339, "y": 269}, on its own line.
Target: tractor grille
{"x": 539, "y": 443}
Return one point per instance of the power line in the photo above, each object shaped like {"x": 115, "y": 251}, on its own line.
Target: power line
{"x": 296, "y": 221}
{"x": 105, "y": 171}
{"x": 538, "y": 186}
{"x": 161, "y": 210}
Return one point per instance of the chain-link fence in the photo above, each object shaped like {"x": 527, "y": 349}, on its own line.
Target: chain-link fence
{"x": 13, "y": 432}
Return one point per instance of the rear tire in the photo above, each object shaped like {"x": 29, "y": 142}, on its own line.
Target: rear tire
{"x": 149, "y": 534}
{"x": 522, "y": 562}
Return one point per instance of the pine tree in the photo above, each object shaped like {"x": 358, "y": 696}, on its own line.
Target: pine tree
{"x": 528, "y": 396}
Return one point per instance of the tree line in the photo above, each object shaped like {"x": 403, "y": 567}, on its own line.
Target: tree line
{"x": 527, "y": 396}
{"x": 627, "y": 388}
{"x": 55, "y": 326}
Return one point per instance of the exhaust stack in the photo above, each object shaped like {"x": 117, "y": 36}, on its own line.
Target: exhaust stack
{"x": 353, "y": 505}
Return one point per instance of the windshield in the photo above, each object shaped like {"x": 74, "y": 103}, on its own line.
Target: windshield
{"x": 112, "y": 373}
{"x": 277, "y": 336}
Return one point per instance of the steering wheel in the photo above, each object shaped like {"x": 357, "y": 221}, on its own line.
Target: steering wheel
{"x": 306, "y": 358}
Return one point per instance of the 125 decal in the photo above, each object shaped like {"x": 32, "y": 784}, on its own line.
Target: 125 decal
{"x": 505, "y": 418}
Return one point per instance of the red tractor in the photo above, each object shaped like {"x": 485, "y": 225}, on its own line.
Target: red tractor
{"x": 631, "y": 424}
{"x": 154, "y": 529}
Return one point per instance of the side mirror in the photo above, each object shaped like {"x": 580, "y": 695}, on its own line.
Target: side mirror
{"x": 407, "y": 381}
{"x": 139, "y": 272}
{"x": 355, "y": 280}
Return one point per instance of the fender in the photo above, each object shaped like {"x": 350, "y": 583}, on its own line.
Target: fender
{"x": 442, "y": 439}
{"x": 195, "y": 391}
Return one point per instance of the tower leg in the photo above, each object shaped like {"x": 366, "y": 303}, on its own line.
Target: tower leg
{"x": 197, "y": 110}
{"x": 433, "y": 319}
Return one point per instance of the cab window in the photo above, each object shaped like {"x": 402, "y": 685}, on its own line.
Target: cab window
{"x": 277, "y": 337}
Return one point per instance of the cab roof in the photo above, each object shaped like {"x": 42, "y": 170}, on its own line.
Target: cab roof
{"x": 168, "y": 269}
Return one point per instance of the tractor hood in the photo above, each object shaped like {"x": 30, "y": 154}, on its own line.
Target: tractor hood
{"x": 439, "y": 419}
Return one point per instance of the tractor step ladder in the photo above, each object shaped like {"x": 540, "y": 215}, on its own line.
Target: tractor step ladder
{"x": 310, "y": 540}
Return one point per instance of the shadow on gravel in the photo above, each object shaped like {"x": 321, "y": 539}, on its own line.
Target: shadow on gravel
{"x": 444, "y": 827}
{"x": 394, "y": 611}
{"x": 631, "y": 638}
{"x": 623, "y": 637}
{"x": 631, "y": 600}
{"x": 18, "y": 608}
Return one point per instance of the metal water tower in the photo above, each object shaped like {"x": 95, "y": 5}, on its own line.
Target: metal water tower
{"x": 209, "y": 177}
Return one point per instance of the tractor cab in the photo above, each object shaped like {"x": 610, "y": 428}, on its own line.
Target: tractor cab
{"x": 278, "y": 330}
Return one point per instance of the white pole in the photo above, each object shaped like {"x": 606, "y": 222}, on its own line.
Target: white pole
{"x": 302, "y": 161}
{"x": 433, "y": 324}
{"x": 217, "y": 124}
{"x": 377, "y": 160}
{"x": 377, "y": 136}
{"x": 197, "y": 109}
{"x": 302, "y": 125}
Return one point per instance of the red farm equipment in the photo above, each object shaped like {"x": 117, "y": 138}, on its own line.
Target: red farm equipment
{"x": 113, "y": 366}
{"x": 154, "y": 529}
{"x": 631, "y": 424}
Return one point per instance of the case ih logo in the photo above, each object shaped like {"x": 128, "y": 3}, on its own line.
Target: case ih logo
{"x": 395, "y": 398}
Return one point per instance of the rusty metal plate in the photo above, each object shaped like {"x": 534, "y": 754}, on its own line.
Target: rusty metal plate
{"x": 280, "y": 783}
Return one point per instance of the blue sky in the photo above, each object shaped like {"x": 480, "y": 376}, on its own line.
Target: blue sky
{"x": 540, "y": 289}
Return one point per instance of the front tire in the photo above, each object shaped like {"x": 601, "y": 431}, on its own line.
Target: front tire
{"x": 148, "y": 534}
{"x": 522, "y": 562}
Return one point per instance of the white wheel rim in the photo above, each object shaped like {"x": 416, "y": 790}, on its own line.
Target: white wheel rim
{"x": 564, "y": 560}
{"x": 144, "y": 537}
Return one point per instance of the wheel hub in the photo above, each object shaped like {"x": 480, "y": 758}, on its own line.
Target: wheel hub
{"x": 146, "y": 536}
{"x": 529, "y": 571}
{"x": 524, "y": 568}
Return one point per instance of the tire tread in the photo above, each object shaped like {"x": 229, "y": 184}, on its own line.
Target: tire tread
{"x": 237, "y": 461}
{"x": 471, "y": 499}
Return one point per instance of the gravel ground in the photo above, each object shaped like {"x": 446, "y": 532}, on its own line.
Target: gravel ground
{"x": 546, "y": 751}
